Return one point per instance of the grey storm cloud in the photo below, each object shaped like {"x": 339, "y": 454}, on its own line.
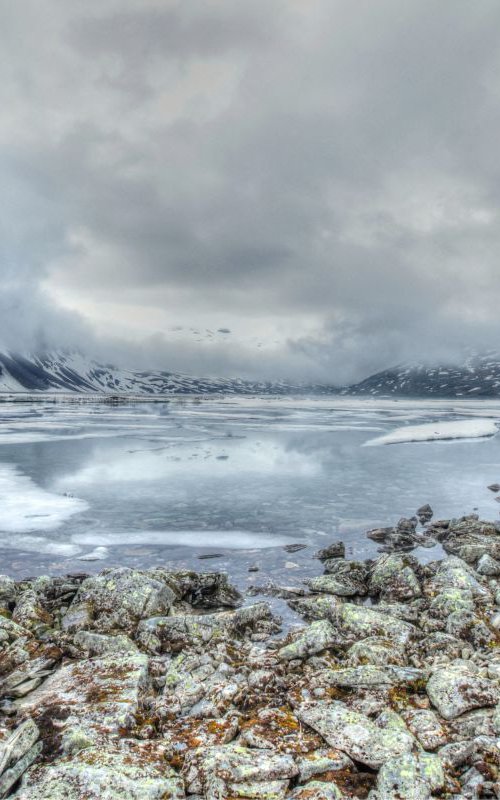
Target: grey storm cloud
{"x": 329, "y": 167}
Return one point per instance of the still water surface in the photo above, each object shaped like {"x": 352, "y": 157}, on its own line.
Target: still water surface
{"x": 88, "y": 486}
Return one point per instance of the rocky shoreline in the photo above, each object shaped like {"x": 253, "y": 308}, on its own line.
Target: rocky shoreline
{"x": 141, "y": 685}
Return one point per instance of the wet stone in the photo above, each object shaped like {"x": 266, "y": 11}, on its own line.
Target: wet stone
{"x": 334, "y": 550}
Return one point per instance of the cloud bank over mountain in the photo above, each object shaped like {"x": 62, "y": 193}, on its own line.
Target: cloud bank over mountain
{"x": 306, "y": 190}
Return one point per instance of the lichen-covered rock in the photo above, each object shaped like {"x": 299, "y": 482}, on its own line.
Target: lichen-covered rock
{"x": 30, "y": 612}
{"x": 320, "y": 761}
{"x": 355, "y": 733}
{"x": 17, "y": 753}
{"x": 470, "y": 538}
{"x": 457, "y": 689}
{"x": 394, "y": 577}
{"x": 334, "y": 550}
{"x": 454, "y": 573}
{"x": 97, "y": 644}
{"x": 488, "y": 566}
{"x": 370, "y": 675}
{"x": 278, "y": 729}
{"x": 100, "y": 696}
{"x": 191, "y": 680}
{"x": 450, "y": 600}
{"x": 317, "y": 607}
{"x": 375, "y": 650}
{"x": 79, "y": 616}
{"x": 216, "y": 769}
{"x": 361, "y": 622}
{"x": 344, "y": 578}
{"x": 316, "y": 637}
{"x": 426, "y": 727}
{"x": 118, "y": 599}
{"x": 31, "y": 672}
{"x": 8, "y": 592}
{"x": 120, "y": 773}
{"x": 414, "y": 777}
{"x": 317, "y": 790}
{"x": 467, "y": 625}
{"x": 200, "y": 589}
{"x": 174, "y": 633}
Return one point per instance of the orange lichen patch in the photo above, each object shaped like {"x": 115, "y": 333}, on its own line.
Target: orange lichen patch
{"x": 280, "y": 730}
{"x": 188, "y": 734}
{"x": 356, "y": 785}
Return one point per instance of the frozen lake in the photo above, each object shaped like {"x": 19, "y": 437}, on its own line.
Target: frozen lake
{"x": 88, "y": 486}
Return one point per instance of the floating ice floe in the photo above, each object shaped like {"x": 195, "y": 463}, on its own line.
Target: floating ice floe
{"x": 438, "y": 431}
{"x": 25, "y": 507}
{"x": 232, "y": 540}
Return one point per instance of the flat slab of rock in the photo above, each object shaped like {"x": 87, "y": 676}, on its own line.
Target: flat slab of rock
{"x": 368, "y": 675}
{"x": 355, "y": 733}
{"x": 104, "y": 774}
{"x": 217, "y": 769}
{"x": 455, "y": 689}
{"x": 99, "y": 696}
{"x": 359, "y": 622}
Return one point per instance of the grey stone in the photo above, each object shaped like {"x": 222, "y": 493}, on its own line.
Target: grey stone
{"x": 410, "y": 776}
{"x": 103, "y": 774}
{"x": 393, "y": 577}
{"x": 355, "y": 733}
{"x": 316, "y": 637}
{"x": 456, "y": 689}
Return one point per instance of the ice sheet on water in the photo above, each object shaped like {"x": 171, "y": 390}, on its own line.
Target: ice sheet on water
{"x": 25, "y": 507}
{"x": 231, "y": 540}
{"x": 39, "y": 545}
{"x": 439, "y": 430}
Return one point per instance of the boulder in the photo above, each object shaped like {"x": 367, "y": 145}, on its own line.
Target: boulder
{"x": 231, "y": 768}
{"x": 410, "y": 776}
{"x": 344, "y": 578}
{"x": 355, "y": 733}
{"x": 393, "y": 577}
{"x": 360, "y": 622}
{"x": 426, "y": 727}
{"x": 334, "y": 550}
{"x": 316, "y": 637}
{"x": 118, "y": 599}
{"x": 456, "y": 689}
{"x": 99, "y": 696}
{"x": 135, "y": 772}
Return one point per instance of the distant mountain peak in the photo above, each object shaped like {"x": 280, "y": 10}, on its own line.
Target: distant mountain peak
{"x": 478, "y": 376}
{"x": 70, "y": 371}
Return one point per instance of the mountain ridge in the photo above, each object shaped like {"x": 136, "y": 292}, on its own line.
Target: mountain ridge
{"x": 70, "y": 372}
{"x": 63, "y": 372}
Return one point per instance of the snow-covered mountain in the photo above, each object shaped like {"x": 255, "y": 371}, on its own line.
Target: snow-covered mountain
{"x": 479, "y": 376}
{"x": 68, "y": 372}
{"x": 71, "y": 372}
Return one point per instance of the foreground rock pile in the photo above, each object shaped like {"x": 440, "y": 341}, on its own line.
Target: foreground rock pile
{"x": 134, "y": 685}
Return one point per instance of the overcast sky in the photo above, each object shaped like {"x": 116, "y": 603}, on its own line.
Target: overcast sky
{"x": 298, "y": 188}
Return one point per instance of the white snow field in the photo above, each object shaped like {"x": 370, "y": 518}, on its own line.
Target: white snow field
{"x": 438, "y": 431}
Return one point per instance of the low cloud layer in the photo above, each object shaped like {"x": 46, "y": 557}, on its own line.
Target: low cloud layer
{"x": 278, "y": 188}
